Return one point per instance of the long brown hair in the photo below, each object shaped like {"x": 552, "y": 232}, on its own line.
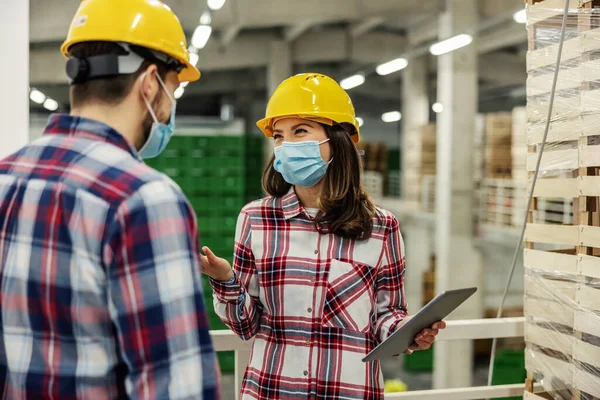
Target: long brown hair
{"x": 344, "y": 205}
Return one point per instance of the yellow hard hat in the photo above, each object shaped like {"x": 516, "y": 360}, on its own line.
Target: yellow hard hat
{"x": 145, "y": 23}
{"x": 311, "y": 96}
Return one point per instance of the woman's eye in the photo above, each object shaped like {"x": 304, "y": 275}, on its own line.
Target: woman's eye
{"x": 300, "y": 130}
{"x": 276, "y": 137}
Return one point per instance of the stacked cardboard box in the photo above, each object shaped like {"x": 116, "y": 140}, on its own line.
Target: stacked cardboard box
{"x": 419, "y": 160}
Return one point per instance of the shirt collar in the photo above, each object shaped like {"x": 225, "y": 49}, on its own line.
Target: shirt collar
{"x": 291, "y": 205}
{"x": 68, "y": 125}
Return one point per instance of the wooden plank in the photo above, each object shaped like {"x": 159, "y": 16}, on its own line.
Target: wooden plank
{"x": 590, "y": 100}
{"x": 586, "y": 382}
{"x": 590, "y": 122}
{"x": 541, "y": 84}
{"x": 549, "y": 311}
{"x": 554, "y": 234}
{"x": 559, "y": 187}
{"x": 549, "y": 366}
{"x": 546, "y": 56}
{"x": 586, "y": 322}
{"x": 589, "y": 185}
{"x": 544, "y": 10}
{"x": 470, "y": 393}
{"x": 563, "y": 129}
{"x": 554, "y": 160}
{"x": 533, "y": 396}
{"x": 589, "y": 236}
{"x": 588, "y": 297}
{"x": 549, "y": 261}
{"x": 589, "y": 156}
{"x": 564, "y": 107}
{"x": 586, "y": 352}
{"x": 549, "y": 339}
{"x": 559, "y": 291}
{"x": 588, "y": 266}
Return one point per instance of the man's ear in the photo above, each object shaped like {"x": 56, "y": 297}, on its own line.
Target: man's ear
{"x": 148, "y": 83}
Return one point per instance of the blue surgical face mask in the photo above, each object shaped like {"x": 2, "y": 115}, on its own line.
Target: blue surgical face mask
{"x": 160, "y": 133}
{"x": 300, "y": 163}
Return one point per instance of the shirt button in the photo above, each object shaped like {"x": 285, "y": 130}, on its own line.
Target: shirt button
{"x": 309, "y": 309}
{"x": 305, "y": 373}
{"x": 307, "y": 341}
{"x": 316, "y": 251}
{"x": 313, "y": 280}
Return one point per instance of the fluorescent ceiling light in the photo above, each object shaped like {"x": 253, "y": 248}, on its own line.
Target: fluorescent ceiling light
{"x": 437, "y": 107}
{"x": 391, "y": 116}
{"x": 391, "y": 66}
{"x": 194, "y": 58}
{"x": 352, "y": 81}
{"x": 215, "y": 5}
{"x": 37, "y": 97}
{"x": 201, "y": 36}
{"x": 520, "y": 16}
{"x": 179, "y": 92}
{"x": 360, "y": 121}
{"x": 448, "y": 45}
{"x": 205, "y": 18}
{"x": 51, "y": 104}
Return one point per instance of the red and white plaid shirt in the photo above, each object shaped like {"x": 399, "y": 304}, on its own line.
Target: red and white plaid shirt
{"x": 315, "y": 303}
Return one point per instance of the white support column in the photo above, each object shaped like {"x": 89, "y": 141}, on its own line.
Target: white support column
{"x": 458, "y": 262}
{"x": 415, "y": 113}
{"x": 279, "y": 69}
{"x": 14, "y": 75}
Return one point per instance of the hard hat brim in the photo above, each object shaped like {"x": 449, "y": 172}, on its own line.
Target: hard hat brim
{"x": 265, "y": 123}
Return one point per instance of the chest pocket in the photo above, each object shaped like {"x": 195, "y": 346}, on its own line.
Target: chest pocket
{"x": 349, "y": 297}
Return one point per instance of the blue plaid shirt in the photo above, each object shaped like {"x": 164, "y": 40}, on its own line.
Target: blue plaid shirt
{"x": 101, "y": 292}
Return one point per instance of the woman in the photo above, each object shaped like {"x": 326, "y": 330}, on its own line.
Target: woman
{"x": 318, "y": 269}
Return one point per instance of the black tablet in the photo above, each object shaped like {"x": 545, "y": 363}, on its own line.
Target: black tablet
{"x": 436, "y": 310}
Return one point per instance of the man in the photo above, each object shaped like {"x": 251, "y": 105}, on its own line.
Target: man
{"x": 100, "y": 292}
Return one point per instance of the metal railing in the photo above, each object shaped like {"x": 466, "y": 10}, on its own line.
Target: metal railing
{"x": 455, "y": 330}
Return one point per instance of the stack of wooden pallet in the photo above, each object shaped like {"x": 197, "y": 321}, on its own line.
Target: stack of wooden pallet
{"x": 518, "y": 147}
{"x": 418, "y": 160}
{"x": 562, "y": 261}
{"x": 497, "y": 145}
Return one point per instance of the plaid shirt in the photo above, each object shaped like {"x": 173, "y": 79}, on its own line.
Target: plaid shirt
{"x": 100, "y": 291}
{"x": 315, "y": 303}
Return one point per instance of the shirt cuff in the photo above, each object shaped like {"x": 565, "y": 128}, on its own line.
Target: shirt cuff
{"x": 228, "y": 291}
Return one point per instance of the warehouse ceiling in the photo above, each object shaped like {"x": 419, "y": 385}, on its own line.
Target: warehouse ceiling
{"x": 336, "y": 37}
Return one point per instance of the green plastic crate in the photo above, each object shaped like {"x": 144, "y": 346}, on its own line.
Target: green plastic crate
{"x": 419, "y": 361}
{"x": 509, "y": 367}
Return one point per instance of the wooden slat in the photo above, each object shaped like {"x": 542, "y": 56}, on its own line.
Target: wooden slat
{"x": 588, "y": 266}
{"x": 546, "y": 56}
{"x": 586, "y": 382}
{"x": 554, "y": 234}
{"x": 564, "y": 107}
{"x": 586, "y": 322}
{"x": 532, "y": 396}
{"x": 586, "y": 352}
{"x": 470, "y": 393}
{"x": 541, "y": 84}
{"x": 589, "y": 156}
{"x": 559, "y": 291}
{"x": 549, "y": 366}
{"x": 590, "y": 100}
{"x": 589, "y": 236}
{"x": 588, "y": 297}
{"x": 549, "y": 339}
{"x": 544, "y": 10}
{"x": 544, "y": 310}
{"x": 548, "y": 261}
{"x": 559, "y": 187}
{"x": 590, "y": 123}
{"x": 554, "y": 160}
{"x": 560, "y": 130}
{"x": 589, "y": 185}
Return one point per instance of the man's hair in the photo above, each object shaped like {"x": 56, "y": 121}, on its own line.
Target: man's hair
{"x": 110, "y": 90}
{"x": 343, "y": 202}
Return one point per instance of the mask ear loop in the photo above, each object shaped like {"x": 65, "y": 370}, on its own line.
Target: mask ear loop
{"x": 325, "y": 141}
{"x": 147, "y": 102}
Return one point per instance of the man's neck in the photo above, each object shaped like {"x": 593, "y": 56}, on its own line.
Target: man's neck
{"x": 114, "y": 117}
